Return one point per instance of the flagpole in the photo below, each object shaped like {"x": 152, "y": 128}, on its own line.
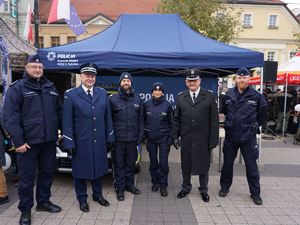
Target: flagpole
{"x": 36, "y": 23}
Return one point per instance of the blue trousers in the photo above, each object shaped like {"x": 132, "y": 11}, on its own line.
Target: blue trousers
{"x": 159, "y": 169}
{"x": 81, "y": 189}
{"x": 250, "y": 153}
{"x": 41, "y": 156}
{"x": 124, "y": 158}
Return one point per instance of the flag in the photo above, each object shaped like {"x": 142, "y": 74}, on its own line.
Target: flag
{"x": 28, "y": 28}
{"x": 75, "y": 23}
{"x": 60, "y": 9}
{"x": 1, "y": 1}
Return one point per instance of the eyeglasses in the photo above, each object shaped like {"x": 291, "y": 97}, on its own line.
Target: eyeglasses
{"x": 35, "y": 67}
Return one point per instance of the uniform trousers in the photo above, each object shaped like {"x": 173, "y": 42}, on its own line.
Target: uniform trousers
{"x": 38, "y": 156}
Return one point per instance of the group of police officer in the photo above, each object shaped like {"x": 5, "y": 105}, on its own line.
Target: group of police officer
{"x": 94, "y": 122}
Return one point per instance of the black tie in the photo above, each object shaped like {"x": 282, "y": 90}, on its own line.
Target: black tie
{"x": 89, "y": 94}
{"x": 194, "y": 97}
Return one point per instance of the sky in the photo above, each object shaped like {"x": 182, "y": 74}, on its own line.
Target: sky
{"x": 292, "y": 3}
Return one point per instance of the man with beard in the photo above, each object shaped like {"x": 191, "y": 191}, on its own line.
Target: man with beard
{"x": 32, "y": 113}
{"x": 127, "y": 120}
{"x": 245, "y": 110}
{"x": 196, "y": 122}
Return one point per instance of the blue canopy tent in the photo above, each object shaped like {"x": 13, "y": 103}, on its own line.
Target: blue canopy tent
{"x": 156, "y": 41}
{"x": 154, "y": 47}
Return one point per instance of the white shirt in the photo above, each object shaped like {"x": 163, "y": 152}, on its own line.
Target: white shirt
{"x": 86, "y": 90}
{"x": 196, "y": 92}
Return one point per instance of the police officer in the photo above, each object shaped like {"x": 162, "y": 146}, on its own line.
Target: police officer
{"x": 196, "y": 122}
{"x": 32, "y": 113}
{"x": 157, "y": 127}
{"x": 127, "y": 119}
{"x": 87, "y": 128}
{"x": 245, "y": 110}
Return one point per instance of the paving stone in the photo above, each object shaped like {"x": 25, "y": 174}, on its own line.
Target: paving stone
{"x": 236, "y": 219}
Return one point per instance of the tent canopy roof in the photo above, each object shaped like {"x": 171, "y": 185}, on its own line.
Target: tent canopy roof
{"x": 150, "y": 41}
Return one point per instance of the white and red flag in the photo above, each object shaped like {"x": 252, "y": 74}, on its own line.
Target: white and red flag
{"x": 28, "y": 28}
{"x": 60, "y": 9}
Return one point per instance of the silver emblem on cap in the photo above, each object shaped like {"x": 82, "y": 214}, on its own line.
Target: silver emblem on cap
{"x": 192, "y": 71}
{"x": 126, "y": 76}
{"x": 157, "y": 87}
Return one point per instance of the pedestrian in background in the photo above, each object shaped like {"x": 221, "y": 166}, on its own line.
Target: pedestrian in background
{"x": 245, "y": 110}
{"x": 196, "y": 130}
{"x": 127, "y": 119}
{"x": 87, "y": 133}
{"x": 32, "y": 117}
{"x": 157, "y": 129}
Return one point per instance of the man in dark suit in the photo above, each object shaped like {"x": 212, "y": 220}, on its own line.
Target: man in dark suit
{"x": 87, "y": 130}
{"x": 196, "y": 123}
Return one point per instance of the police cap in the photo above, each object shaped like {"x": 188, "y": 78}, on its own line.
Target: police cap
{"x": 33, "y": 59}
{"x": 125, "y": 75}
{"x": 158, "y": 86}
{"x": 193, "y": 74}
{"x": 243, "y": 72}
{"x": 89, "y": 68}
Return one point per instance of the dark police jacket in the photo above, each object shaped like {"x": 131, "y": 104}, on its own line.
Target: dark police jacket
{"x": 157, "y": 119}
{"x": 32, "y": 111}
{"x": 244, "y": 114}
{"x": 127, "y": 116}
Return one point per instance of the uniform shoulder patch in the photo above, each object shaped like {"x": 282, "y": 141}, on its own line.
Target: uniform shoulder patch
{"x": 15, "y": 82}
{"x": 69, "y": 90}
{"x": 180, "y": 93}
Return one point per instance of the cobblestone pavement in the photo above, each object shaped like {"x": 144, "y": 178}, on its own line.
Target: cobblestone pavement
{"x": 280, "y": 183}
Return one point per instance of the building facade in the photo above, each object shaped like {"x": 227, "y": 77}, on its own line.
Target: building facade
{"x": 268, "y": 26}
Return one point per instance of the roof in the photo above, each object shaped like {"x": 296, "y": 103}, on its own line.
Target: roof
{"x": 149, "y": 41}
{"x": 14, "y": 43}
{"x": 110, "y": 8}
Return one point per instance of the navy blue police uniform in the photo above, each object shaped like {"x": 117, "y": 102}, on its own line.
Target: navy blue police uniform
{"x": 32, "y": 115}
{"x": 245, "y": 113}
{"x": 127, "y": 120}
{"x": 157, "y": 131}
{"x": 87, "y": 128}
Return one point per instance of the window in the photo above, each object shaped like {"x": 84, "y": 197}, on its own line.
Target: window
{"x": 292, "y": 54}
{"x": 273, "y": 21}
{"x": 6, "y": 6}
{"x": 55, "y": 41}
{"x": 247, "y": 20}
{"x": 71, "y": 39}
{"x": 271, "y": 55}
{"x": 41, "y": 42}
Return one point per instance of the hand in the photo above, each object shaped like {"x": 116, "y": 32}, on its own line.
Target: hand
{"x": 110, "y": 146}
{"x": 23, "y": 148}
{"x": 176, "y": 143}
{"x": 70, "y": 151}
{"x": 211, "y": 147}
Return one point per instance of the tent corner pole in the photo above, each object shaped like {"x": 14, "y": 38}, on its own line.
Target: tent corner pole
{"x": 285, "y": 101}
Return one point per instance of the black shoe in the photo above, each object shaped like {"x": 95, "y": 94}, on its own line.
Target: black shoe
{"x": 133, "y": 190}
{"x": 164, "y": 192}
{"x": 25, "y": 218}
{"x": 155, "y": 187}
{"x": 182, "y": 194}
{"x": 102, "y": 201}
{"x": 48, "y": 207}
{"x": 120, "y": 196}
{"x": 223, "y": 193}
{"x": 4, "y": 200}
{"x": 205, "y": 197}
{"x": 256, "y": 199}
{"x": 84, "y": 207}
